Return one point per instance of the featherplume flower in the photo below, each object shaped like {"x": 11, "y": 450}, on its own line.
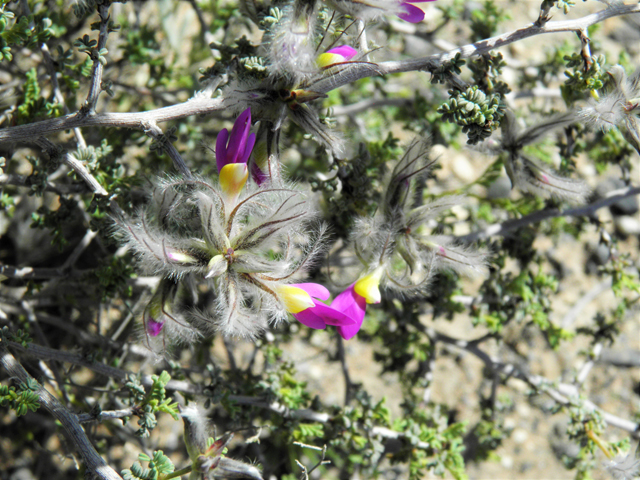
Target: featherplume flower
{"x": 530, "y": 177}
{"x": 396, "y": 253}
{"x": 245, "y": 243}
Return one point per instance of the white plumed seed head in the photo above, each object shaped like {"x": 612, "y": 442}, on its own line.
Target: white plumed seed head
{"x": 542, "y": 181}
{"x": 241, "y": 248}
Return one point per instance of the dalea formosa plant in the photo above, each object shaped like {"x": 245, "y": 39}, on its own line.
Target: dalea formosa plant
{"x": 308, "y": 239}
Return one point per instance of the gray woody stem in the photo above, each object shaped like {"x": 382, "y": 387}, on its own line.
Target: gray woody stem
{"x": 98, "y": 68}
{"x": 539, "y": 216}
{"x": 74, "y": 432}
{"x": 200, "y": 104}
{"x": 137, "y": 120}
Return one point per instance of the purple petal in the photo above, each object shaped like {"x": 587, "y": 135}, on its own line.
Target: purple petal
{"x": 154, "y": 328}
{"x": 331, "y": 316}
{"x": 314, "y": 289}
{"x": 221, "y": 148}
{"x": 251, "y": 141}
{"x": 413, "y": 14}
{"x": 310, "y": 319}
{"x": 346, "y": 51}
{"x": 353, "y": 306}
{"x": 422, "y": 1}
{"x": 238, "y": 137}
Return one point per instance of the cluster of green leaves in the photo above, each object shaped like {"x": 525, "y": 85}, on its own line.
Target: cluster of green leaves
{"x": 351, "y": 447}
{"x": 486, "y": 70}
{"x": 476, "y": 112}
{"x": 89, "y": 46}
{"x": 147, "y": 404}
{"x": 446, "y": 70}
{"x": 33, "y": 106}
{"x": 485, "y": 20}
{"x": 625, "y": 284}
{"x": 583, "y": 76}
{"x": 158, "y": 465}
{"x": 21, "y": 336}
{"x": 26, "y": 31}
{"x": 564, "y": 5}
{"x": 57, "y": 220}
{"x": 22, "y": 399}
{"x": 445, "y": 440}
{"x": 113, "y": 277}
{"x": 280, "y": 383}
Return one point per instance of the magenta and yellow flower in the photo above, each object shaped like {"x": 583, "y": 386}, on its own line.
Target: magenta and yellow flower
{"x": 232, "y": 153}
{"x": 302, "y": 300}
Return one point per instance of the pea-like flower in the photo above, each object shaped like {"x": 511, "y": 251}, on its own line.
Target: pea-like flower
{"x": 245, "y": 242}
{"x": 394, "y": 248}
{"x": 336, "y": 55}
{"x": 301, "y": 300}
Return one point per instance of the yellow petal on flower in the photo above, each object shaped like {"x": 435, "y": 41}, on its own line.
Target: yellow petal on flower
{"x": 367, "y": 286}
{"x": 295, "y": 299}
{"x": 326, "y": 59}
{"x": 233, "y": 177}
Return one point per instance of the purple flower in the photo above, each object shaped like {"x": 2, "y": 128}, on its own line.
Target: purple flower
{"x": 353, "y": 306}
{"x": 300, "y": 301}
{"x": 235, "y": 148}
{"x": 340, "y": 54}
{"x": 153, "y": 327}
{"x": 412, "y": 13}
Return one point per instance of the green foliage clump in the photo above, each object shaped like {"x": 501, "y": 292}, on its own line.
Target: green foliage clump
{"x": 477, "y": 113}
{"x": 147, "y": 404}
{"x": 22, "y": 399}
{"x": 158, "y": 465}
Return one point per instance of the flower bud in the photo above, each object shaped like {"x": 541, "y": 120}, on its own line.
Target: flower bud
{"x": 217, "y": 266}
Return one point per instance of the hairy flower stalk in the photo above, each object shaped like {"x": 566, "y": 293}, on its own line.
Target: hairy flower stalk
{"x": 209, "y": 461}
{"x": 619, "y": 106}
{"x": 246, "y": 242}
{"x": 291, "y": 49}
{"x": 374, "y": 9}
{"x": 393, "y": 247}
{"x": 530, "y": 176}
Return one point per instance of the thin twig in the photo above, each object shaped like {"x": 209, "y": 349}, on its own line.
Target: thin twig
{"x": 96, "y": 76}
{"x": 74, "y": 432}
{"x": 348, "y": 386}
{"x": 536, "y": 217}
{"x": 562, "y": 393}
{"x": 202, "y": 104}
{"x": 152, "y": 130}
{"x": 59, "y": 188}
